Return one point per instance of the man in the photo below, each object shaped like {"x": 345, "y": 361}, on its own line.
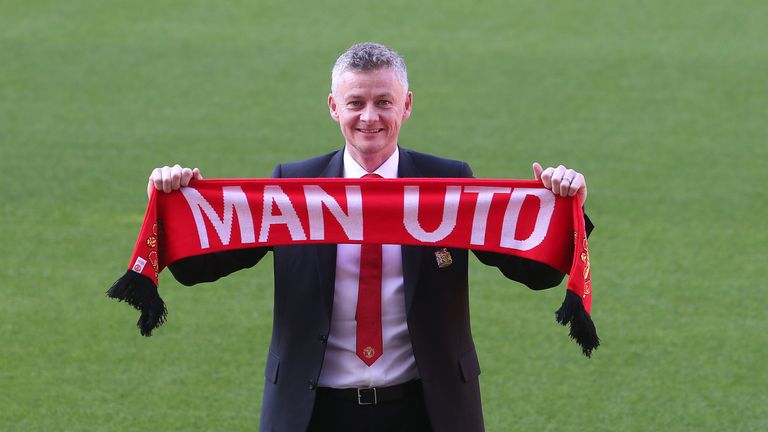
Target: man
{"x": 423, "y": 375}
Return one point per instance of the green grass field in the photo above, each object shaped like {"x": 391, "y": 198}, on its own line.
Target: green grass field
{"x": 661, "y": 104}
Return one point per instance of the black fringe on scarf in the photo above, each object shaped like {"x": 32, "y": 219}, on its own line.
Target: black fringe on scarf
{"x": 140, "y": 292}
{"x": 582, "y": 328}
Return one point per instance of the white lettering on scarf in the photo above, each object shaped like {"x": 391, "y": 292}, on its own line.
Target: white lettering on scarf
{"x": 411, "y": 214}
{"x": 546, "y": 208}
{"x": 234, "y": 202}
{"x": 351, "y": 222}
{"x": 480, "y": 218}
{"x": 287, "y": 216}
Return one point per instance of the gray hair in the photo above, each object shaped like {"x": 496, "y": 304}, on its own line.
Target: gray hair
{"x": 367, "y": 57}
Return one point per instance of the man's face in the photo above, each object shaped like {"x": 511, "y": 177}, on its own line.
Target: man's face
{"x": 370, "y": 107}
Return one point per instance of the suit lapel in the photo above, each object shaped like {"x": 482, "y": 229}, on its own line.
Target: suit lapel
{"x": 335, "y": 166}
{"x": 412, "y": 255}
{"x": 326, "y": 253}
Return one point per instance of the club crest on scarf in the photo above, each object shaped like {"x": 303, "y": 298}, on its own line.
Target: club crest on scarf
{"x": 584, "y": 257}
{"x": 152, "y": 240}
{"x": 152, "y": 244}
{"x": 587, "y": 274}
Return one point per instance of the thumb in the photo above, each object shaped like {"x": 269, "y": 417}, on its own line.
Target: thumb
{"x": 537, "y": 170}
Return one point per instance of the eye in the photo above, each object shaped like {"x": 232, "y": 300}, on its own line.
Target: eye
{"x": 355, "y": 104}
{"x": 384, "y": 102}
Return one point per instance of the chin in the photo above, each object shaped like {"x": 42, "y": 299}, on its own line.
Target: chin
{"x": 368, "y": 143}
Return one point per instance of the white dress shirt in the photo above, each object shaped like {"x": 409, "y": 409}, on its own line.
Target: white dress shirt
{"x": 342, "y": 368}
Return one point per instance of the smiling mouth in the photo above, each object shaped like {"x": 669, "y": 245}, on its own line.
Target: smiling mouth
{"x": 370, "y": 131}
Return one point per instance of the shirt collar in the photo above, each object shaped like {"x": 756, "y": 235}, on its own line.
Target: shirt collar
{"x": 388, "y": 169}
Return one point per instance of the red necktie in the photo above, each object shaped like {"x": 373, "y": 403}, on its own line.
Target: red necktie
{"x": 369, "y": 346}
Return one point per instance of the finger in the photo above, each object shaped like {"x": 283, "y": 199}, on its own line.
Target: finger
{"x": 565, "y": 185}
{"x": 166, "y": 178}
{"x": 186, "y": 175}
{"x": 156, "y": 179}
{"x": 176, "y": 177}
{"x": 537, "y": 171}
{"x": 557, "y": 179}
{"x": 582, "y": 192}
{"x": 196, "y": 174}
{"x": 577, "y": 184}
{"x": 546, "y": 177}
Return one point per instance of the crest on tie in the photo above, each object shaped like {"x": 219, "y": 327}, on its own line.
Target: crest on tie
{"x": 369, "y": 352}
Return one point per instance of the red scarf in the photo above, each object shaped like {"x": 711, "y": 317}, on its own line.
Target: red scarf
{"x": 516, "y": 217}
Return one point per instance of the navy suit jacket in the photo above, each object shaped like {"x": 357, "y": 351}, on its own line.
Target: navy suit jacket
{"x": 437, "y": 307}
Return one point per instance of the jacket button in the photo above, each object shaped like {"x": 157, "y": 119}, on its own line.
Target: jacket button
{"x": 312, "y": 384}
{"x": 323, "y": 338}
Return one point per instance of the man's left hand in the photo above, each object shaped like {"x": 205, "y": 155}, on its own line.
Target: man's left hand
{"x": 562, "y": 181}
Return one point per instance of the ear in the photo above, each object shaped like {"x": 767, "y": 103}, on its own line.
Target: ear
{"x": 408, "y": 105}
{"x": 332, "y": 107}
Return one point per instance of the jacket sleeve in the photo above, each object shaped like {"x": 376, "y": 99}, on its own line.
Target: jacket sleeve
{"x": 533, "y": 274}
{"x": 210, "y": 267}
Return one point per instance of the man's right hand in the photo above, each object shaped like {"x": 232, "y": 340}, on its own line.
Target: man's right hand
{"x": 169, "y": 179}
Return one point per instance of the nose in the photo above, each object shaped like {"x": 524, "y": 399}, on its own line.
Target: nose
{"x": 369, "y": 114}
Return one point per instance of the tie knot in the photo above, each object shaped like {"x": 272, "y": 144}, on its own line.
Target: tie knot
{"x": 371, "y": 176}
